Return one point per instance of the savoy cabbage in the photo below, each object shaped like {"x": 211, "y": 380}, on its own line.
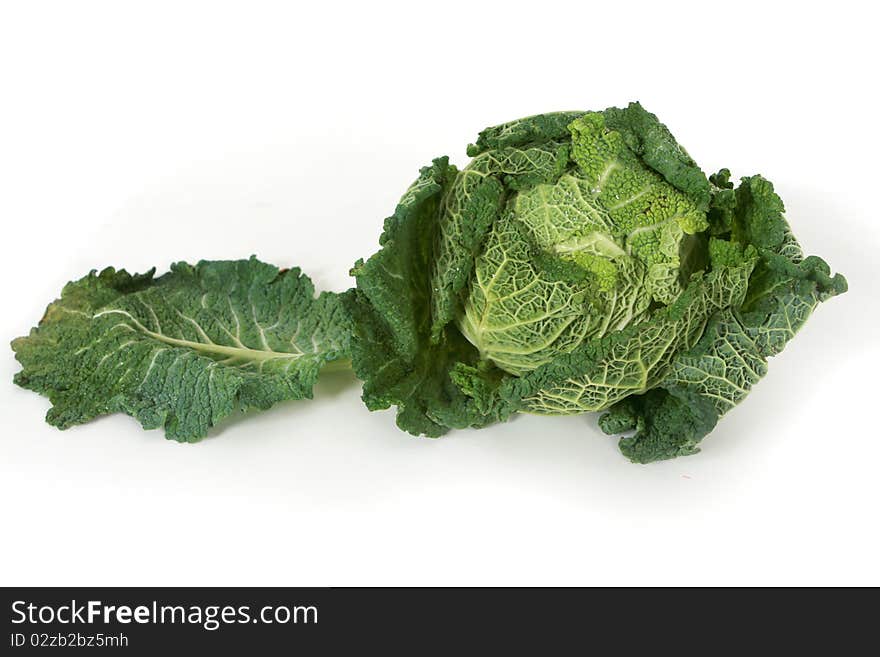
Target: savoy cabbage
{"x": 580, "y": 262}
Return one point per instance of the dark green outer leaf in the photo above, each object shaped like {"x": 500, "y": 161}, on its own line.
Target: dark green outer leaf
{"x": 720, "y": 370}
{"x": 655, "y": 145}
{"x": 540, "y": 128}
{"x": 392, "y": 350}
{"x": 182, "y": 351}
{"x": 669, "y": 422}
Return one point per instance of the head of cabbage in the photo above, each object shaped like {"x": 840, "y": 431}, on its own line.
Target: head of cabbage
{"x": 580, "y": 262}
{"x": 586, "y": 253}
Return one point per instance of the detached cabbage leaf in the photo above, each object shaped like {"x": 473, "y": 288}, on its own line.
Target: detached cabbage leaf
{"x": 181, "y": 351}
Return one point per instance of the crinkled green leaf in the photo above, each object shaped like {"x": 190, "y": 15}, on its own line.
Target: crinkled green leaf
{"x": 521, "y": 315}
{"x": 723, "y": 366}
{"x": 721, "y": 369}
{"x": 181, "y": 351}
{"x": 635, "y": 359}
{"x": 601, "y": 372}
{"x": 652, "y": 216}
{"x": 668, "y": 422}
{"x": 655, "y": 145}
{"x": 722, "y": 204}
{"x": 758, "y": 214}
{"x": 540, "y": 128}
{"x": 393, "y": 352}
{"x": 471, "y": 204}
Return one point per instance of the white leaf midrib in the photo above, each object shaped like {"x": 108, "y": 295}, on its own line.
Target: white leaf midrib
{"x": 239, "y": 353}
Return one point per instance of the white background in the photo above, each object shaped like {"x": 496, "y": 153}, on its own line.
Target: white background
{"x": 138, "y": 134}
